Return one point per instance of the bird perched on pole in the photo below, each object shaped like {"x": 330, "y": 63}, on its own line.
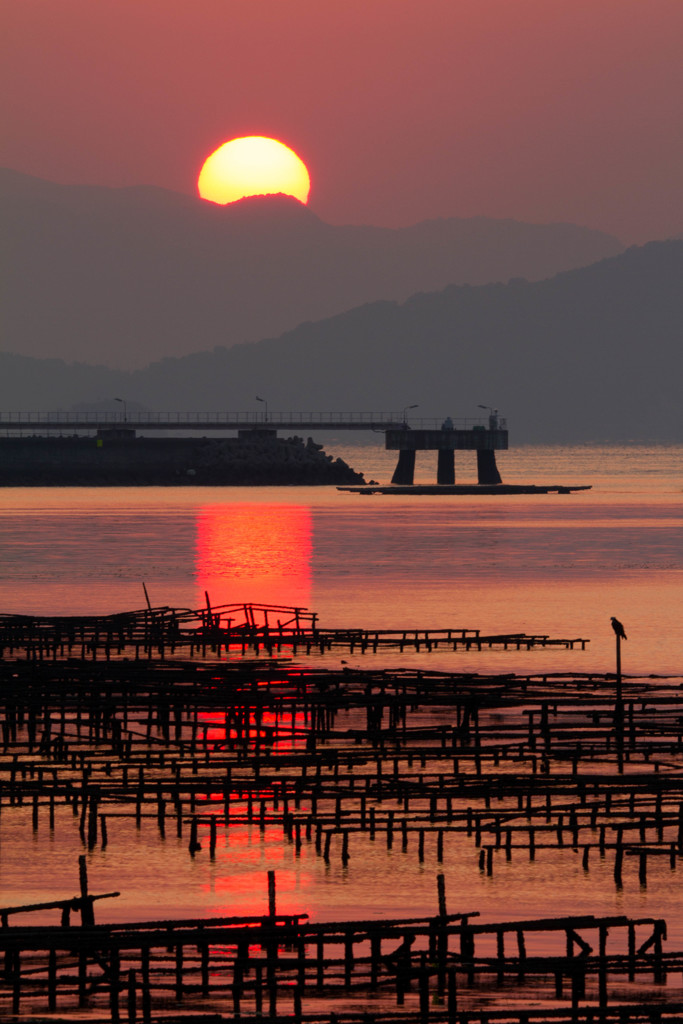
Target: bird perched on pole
{"x": 618, "y": 628}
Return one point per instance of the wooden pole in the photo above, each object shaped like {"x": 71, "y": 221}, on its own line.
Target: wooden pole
{"x": 619, "y": 713}
{"x": 441, "y": 887}
{"x": 86, "y": 903}
{"x": 271, "y": 894}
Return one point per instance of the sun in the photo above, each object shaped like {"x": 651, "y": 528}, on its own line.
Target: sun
{"x": 253, "y": 166}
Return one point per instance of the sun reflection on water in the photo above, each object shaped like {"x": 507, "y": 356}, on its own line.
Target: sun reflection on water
{"x": 254, "y": 553}
{"x": 257, "y": 553}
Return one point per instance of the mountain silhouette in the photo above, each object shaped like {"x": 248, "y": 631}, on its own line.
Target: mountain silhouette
{"x": 591, "y": 354}
{"x": 125, "y": 276}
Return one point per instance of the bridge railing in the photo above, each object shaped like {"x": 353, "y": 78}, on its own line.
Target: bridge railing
{"x": 225, "y": 419}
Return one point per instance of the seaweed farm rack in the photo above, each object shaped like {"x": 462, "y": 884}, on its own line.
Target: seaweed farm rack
{"x": 342, "y": 766}
{"x": 240, "y": 628}
{"x": 466, "y": 779}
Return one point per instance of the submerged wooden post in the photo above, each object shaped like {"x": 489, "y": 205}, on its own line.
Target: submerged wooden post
{"x": 16, "y": 982}
{"x": 52, "y": 980}
{"x": 271, "y": 894}
{"x": 86, "y": 903}
{"x": 132, "y": 1009}
{"x": 619, "y": 703}
{"x": 619, "y": 712}
{"x": 146, "y": 989}
{"x": 441, "y": 887}
{"x": 114, "y": 982}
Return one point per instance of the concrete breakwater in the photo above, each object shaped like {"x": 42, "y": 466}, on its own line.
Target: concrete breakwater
{"x": 120, "y": 458}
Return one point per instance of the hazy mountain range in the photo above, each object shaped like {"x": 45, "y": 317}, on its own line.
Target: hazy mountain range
{"x": 593, "y": 353}
{"x": 126, "y": 276}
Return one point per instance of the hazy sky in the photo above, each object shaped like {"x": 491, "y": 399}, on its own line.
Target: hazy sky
{"x": 402, "y": 109}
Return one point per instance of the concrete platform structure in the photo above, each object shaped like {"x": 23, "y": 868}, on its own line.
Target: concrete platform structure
{"x": 413, "y": 489}
{"x": 119, "y": 431}
{"x": 446, "y": 442}
{"x": 112, "y": 450}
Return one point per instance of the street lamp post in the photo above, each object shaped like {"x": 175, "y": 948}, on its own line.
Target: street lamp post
{"x": 265, "y": 415}
{"x": 125, "y": 408}
{"x": 405, "y": 412}
{"x": 493, "y": 416}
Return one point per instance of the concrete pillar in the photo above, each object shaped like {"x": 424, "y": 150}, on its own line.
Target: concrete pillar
{"x": 405, "y": 468}
{"x": 487, "y": 470}
{"x": 445, "y": 469}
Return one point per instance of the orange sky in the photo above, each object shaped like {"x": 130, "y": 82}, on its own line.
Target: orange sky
{"x": 403, "y": 110}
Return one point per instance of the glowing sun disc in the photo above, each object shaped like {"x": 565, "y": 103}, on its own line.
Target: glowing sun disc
{"x": 253, "y": 166}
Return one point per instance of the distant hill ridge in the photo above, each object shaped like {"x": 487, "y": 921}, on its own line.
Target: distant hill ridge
{"x": 591, "y": 354}
{"x": 126, "y": 276}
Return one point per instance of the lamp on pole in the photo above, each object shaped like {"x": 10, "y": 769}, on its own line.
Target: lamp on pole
{"x": 405, "y": 412}
{"x": 265, "y": 417}
{"x": 493, "y": 416}
{"x": 125, "y": 408}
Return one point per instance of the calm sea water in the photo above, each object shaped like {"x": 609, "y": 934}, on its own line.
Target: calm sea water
{"x": 555, "y": 564}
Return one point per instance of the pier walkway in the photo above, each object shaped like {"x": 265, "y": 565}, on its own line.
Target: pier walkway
{"x": 183, "y": 421}
{"x": 445, "y": 437}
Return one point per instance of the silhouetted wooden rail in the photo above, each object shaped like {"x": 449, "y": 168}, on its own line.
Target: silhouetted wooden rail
{"x": 264, "y": 965}
{"x": 242, "y": 627}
